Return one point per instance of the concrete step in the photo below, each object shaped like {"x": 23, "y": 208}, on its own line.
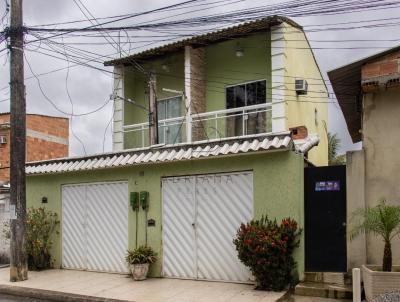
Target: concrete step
{"x": 324, "y": 290}
{"x": 327, "y": 277}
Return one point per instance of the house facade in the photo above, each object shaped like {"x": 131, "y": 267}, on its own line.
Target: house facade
{"x": 226, "y": 147}
{"x": 370, "y": 103}
{"x": 229, "y": 83}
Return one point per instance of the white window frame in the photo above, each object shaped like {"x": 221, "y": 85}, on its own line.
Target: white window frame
{"x": 245, "y": 94}
{"x": 170, "y": 98}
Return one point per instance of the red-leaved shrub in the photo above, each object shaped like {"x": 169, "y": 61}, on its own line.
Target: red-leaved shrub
{"x": 266, "y": 248}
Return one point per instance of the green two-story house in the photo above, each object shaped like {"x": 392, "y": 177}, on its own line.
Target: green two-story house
{"x": 208, "y": 132}
{"x": 256, "y": 78}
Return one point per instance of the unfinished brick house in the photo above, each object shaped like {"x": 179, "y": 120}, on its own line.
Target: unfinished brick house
{"x": 368, "y": 92}
{"x": 46, "y": 138}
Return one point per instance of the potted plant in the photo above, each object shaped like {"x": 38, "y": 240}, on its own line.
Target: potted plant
{"x": 383, "y": 221}
{"x": 139, "y": 260}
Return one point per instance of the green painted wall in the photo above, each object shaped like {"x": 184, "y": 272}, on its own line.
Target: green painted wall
{"x": 223, "y": 68}
{"x": 277, "y": 177}
{"x": 136, "y": 88}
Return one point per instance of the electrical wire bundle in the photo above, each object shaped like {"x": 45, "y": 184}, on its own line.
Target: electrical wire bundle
{"x": 87, "y": 42}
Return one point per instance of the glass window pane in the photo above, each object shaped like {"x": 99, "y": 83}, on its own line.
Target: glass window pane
{"x": 251, "y": 94}
{"x": 161, "y": 110}
{"x": 240, "y": 99}
{"x": 173, "y": 134}
{"x": 230, "y": 98}
{"x": 174, "y": 107}
{"x": 261, "y": 92}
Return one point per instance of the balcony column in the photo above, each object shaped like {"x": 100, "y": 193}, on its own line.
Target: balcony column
{"x": 118, "y": 118}
{"x": 278, "y": 71}
{"x": 195, "y": 92}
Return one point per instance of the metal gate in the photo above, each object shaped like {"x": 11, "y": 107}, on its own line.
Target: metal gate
{"x": 95, "y": 226}
{"x": 201, "y": 215}
{"x": 325, "y": 219}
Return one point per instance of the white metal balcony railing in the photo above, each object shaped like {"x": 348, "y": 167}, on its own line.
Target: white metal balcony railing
{"x": 205, "y": 126}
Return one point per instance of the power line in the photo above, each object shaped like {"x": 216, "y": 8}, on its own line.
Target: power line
{"x": 72, "y": 106}
{"x": 125, "y": 18}
{"x": 53, "y": 104}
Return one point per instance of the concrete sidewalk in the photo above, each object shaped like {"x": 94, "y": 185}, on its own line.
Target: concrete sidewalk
{"x": 69, "y": 285}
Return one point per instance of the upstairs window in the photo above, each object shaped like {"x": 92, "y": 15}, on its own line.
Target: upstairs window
{"x": 168, "y": 131}
{"x": 251, "y": 121}
{"x": 247, "y": 94}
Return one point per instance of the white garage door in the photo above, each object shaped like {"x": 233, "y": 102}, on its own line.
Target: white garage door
{"x": 95, "y": 226}
{"x": 201, "y": 215}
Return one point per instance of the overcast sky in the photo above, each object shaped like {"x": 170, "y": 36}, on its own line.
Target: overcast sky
{"x": 90, "y": 88}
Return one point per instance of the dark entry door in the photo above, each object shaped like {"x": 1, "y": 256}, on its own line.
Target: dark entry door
{"x": 325, "y": 219}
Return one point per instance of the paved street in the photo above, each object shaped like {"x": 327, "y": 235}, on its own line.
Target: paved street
{"x": 6, "y": 298}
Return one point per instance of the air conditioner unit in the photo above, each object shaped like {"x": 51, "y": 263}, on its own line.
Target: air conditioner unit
{"x": 301, "y": 86}
{"x": 3, "y": 140}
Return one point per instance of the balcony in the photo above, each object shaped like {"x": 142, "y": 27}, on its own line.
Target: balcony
{"x": 207, "y": 126}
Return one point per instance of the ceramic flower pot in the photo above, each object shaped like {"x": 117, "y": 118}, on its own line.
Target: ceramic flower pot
{"x": 377, "y": 282}
{"x": 139, "y": 271}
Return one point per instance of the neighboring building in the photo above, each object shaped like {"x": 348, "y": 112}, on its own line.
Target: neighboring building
{"x": 228, "y": 159}
{"x": 368, "y": 92}
{"x": 4, "y": 219}
{"x": 46, "y": 138}
{"x": 230, "y": 83}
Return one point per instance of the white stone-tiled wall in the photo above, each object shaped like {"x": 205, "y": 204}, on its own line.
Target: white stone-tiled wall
{"x": 278, "y": 75}
{"x": 118, "y": 120}
{"x": 4, "y": 217}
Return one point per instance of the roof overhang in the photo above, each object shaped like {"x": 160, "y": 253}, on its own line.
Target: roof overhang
{"x": 225, "y": 34}
{"x": 346, "y": 83}
{"x": 183, "y": 152}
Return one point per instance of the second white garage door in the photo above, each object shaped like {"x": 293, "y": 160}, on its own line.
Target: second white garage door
{"x": 201, "y": 215}
{"x": 95, "y": 226}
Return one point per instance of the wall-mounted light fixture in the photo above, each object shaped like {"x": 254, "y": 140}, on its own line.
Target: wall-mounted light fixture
{"x": 44, "y": 199}
{"x": 239, "y": 52}
{"x": 165, "y": 67}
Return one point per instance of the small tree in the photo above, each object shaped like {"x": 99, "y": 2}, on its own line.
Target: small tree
{"x": 41, "y": 226}
{"x": 334, "y": 144}
{"x": 382, "y": 220}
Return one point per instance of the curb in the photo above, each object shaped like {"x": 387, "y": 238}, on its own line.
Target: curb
{"x": 51, "y": 295}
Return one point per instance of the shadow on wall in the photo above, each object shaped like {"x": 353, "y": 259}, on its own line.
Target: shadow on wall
{"x": 4, "y": 227}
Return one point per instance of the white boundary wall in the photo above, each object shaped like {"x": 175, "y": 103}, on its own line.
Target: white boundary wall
{"x": 4, "y": 217}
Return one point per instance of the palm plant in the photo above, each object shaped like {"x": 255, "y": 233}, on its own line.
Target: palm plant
{"x": 383, "y": 221}
{"x": 334, "y": 144}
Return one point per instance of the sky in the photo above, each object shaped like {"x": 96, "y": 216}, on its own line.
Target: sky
{"x": 83, "y": 89}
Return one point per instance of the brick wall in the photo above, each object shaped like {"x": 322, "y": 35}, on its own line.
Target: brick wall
{"x": 299, "y": 132}
{"x": 382, "y": 66}
{"x": 39, "y": 149}
{"x": 47, "y": 138}
{"x": 198, "y": 89}
{"x": 50, "y": 125}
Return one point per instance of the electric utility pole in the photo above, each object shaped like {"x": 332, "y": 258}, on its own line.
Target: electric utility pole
{"x": 19, "y": 264}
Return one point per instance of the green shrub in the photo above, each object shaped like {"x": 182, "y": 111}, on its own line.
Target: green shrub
{"x": 266, "y": 248}
{"x": 41, "y": 225}
{"x": 142, "y": 254}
